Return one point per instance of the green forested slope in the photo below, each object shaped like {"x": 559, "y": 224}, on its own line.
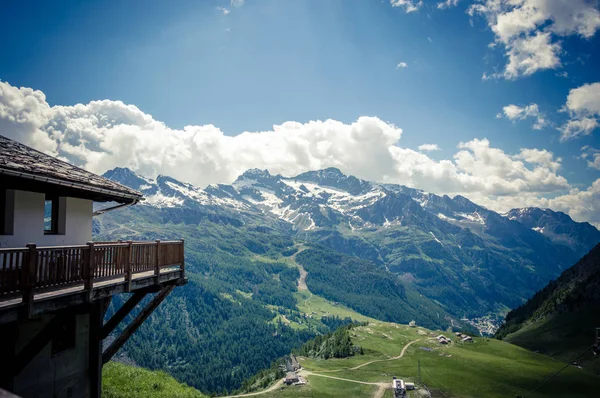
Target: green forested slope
{"x": 367, "y": 288}
{"x": 560, "y": 320}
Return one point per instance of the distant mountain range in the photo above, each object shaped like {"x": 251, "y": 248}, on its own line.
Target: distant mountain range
{"x": 470, "y": 260}
{"x": 560, "y": 320}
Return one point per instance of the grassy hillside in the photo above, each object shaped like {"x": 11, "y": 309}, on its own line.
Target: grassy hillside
{"x": 123, "y": 381}
{"x": 485, "y": 368}
{"x": 562, "y": 336}
{"x": 560, "y": 320}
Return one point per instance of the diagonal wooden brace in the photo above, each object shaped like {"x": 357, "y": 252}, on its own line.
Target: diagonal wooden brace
{"x": 132, "y": 327}
{"x": 129, "y": 305}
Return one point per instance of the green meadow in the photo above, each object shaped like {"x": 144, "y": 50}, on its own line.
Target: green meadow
{"x": 485, "y": 368}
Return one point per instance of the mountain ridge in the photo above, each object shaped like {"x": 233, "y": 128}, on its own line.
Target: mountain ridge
{"x": 472, "y": 260}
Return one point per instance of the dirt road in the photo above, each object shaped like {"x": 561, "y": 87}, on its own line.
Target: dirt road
{"x": 251, "y": 394}
{"x": 389, "y": 359}
{"x": 302, "y": 280}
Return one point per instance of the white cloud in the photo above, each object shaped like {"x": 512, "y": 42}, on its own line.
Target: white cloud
{"x": 104, "y": 134}
{"x": 582, "y": 205}
{"x": 407, "y": 5}
{"x": 237, "y": 3}
{"x": 515, "y": 112}
{"x": 585, "y": 99}
{"x": 583, "y": 106}
{"x": 429, "y": 147}
{"x": 224, "y": 10}
{"x": 530, "y": 30}
{"x": 576, "y": 128}
{"x": 447, "y": 4}
{"x": 402, "y": 65}
{"x": 530, "y": 54}
{"x": 592, "y": 156}
{"x": 541, "y": 157}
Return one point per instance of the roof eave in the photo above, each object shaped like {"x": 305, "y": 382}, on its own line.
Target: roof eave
{"x": 109, "y": 193}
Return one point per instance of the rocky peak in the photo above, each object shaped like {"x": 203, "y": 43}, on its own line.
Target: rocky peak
{"x": 558, "y": 227}
{"x": 128, "y": 177}
{"x": 333, "y": 177}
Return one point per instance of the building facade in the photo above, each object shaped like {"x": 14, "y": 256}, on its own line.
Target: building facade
{"x": 56, "y": 283}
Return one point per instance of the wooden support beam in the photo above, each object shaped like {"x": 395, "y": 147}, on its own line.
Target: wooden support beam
{"x": 182, "y": 257}
{"x": 95, "y": 348}
{"x": 157, "y": 263}
{"x": 7, "y": 353}
{"x": 28, "y": 279}
{"x": 132, "y": 327}
{"x": 36, "y": 344}
{"x": 128, "y": 264}
{"x": 122, "y": 313}
{"x": 88, "y": 272}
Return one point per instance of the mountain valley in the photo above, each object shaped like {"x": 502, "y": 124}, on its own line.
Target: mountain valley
{"x": 380, "y": 251}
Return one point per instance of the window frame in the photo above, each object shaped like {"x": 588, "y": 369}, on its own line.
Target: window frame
{"x": 3, "y": 211}
{"x": 53, "y": 216}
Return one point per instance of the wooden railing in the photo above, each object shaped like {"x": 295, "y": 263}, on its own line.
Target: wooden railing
{"x": 30, "y": 270}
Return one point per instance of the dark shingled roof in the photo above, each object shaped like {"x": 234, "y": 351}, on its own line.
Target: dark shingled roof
{"x": 20, "y": 161}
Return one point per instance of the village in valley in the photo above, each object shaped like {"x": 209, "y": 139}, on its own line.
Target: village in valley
{"x": 486, "y": 325}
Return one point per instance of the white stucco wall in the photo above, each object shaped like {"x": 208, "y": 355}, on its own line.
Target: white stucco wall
{"x": 75, "y": 221}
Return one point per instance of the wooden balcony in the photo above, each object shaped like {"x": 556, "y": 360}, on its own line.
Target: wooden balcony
{"x": 36, "y": 280}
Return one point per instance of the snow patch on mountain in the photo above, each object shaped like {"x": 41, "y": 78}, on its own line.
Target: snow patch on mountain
{"x": 435, "y": 238}
{"x": 475, "y": 217}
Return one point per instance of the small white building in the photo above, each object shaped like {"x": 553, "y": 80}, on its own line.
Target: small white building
{"x": 412, "y": 324}
{"x": 47, "y": 201}
{"x": 398, "y": 383}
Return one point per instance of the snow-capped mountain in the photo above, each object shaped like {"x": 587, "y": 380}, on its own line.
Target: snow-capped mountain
{"x": 168, "y": 192}
{"x": 463, "y": 255}
{"x": 558, "y": 227}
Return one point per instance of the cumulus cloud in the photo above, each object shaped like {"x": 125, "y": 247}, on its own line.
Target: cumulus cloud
{"x": 582, "y": 205}
{"x": 583, "y": 107}
{"x": 429, "y": 147}
{"x": 402, "y": 65}
{"x": 530, "y": 30}
{"x": 447, "y": 4}
{"x": 515, "y": 112}
{"x": 407, "y": 5}
{"x": 104, "y": 134}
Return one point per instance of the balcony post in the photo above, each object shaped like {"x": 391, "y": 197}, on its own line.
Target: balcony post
{"x": 28, "y": 273}
{"x": 128, "y": 262}
{"x": 182, "y": 258}
{"x": 157, "y": 266}
{"x": 89, "y": 273}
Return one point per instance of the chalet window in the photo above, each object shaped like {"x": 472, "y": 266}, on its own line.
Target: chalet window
{"x": 7, "y": 209}
{"x": 51, "y": 215}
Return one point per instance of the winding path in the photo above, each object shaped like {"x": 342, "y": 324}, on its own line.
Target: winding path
{"x": 309, "y": 373}
{"x": 274, "y": 387}
{"x": 374, "y": 361}
{"x": 389, "y": 359}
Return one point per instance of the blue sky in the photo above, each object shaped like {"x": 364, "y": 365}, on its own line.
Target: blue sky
{"x": 264, "y": 62}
